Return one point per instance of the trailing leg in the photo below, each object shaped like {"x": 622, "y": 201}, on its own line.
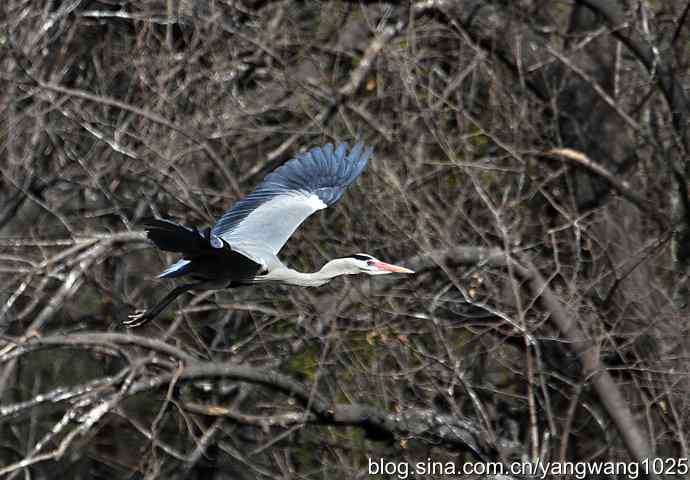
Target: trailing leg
{"x": 141, "y": 317}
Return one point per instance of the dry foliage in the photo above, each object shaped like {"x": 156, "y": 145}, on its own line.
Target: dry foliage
{"x": 532, "y": 162}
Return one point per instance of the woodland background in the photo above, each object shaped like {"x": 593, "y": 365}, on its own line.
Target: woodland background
{"x": 531, "y": 162}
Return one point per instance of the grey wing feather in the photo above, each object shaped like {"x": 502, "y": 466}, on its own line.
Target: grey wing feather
{"x": 313, "y": 180}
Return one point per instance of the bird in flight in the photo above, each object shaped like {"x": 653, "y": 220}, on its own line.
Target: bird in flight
{"x": 242, "y": 247}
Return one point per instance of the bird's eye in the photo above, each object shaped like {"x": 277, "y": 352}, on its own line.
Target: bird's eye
{"x": 370, "y": 263}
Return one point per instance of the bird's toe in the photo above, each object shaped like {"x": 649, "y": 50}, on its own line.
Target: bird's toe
{"x": 136, "y": 319}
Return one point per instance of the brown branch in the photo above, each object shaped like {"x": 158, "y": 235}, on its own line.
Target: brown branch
{"x": 17, "y": 347}
{"x": 370, "y": 54}
{"x": 340, "y": 97}
{"x": 154, "y": 117}
{"x": 680, "y": 23}
{"x": 679, "y": 105}
{"x": 429, "y": 424}
{"x": 84, "y": 415}
{"x": 56, "y": 396}
{"x": 606, "y": 388}
{"x": 678, "y": 101}
{"x": 621, "y": 186}
{"x": 80, "y": 266}
{"x": 449, "y": 430}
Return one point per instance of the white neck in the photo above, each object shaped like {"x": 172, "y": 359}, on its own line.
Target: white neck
{"x": 329, "y": 271}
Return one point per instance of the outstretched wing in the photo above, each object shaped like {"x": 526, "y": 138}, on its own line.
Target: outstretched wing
{"x": 268, "y": 216}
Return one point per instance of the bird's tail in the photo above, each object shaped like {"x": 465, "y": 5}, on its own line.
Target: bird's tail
{"x": 177, "y": 269}
{"x": 172, "y": 237}
{"x": 191, "y": 243}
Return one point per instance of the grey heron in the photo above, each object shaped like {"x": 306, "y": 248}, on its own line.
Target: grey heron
{"x": 242, "y": 247}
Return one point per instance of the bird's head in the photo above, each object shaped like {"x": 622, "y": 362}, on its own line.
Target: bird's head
{"x": 365, "y": 263}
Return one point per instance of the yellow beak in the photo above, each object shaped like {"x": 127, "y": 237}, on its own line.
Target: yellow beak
{"x": 392, "y": 268}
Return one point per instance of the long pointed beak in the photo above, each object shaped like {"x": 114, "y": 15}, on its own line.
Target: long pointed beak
{"x": 387, "y": 267}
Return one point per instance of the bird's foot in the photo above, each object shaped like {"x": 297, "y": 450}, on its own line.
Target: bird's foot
{"x": 137, "y": 319}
